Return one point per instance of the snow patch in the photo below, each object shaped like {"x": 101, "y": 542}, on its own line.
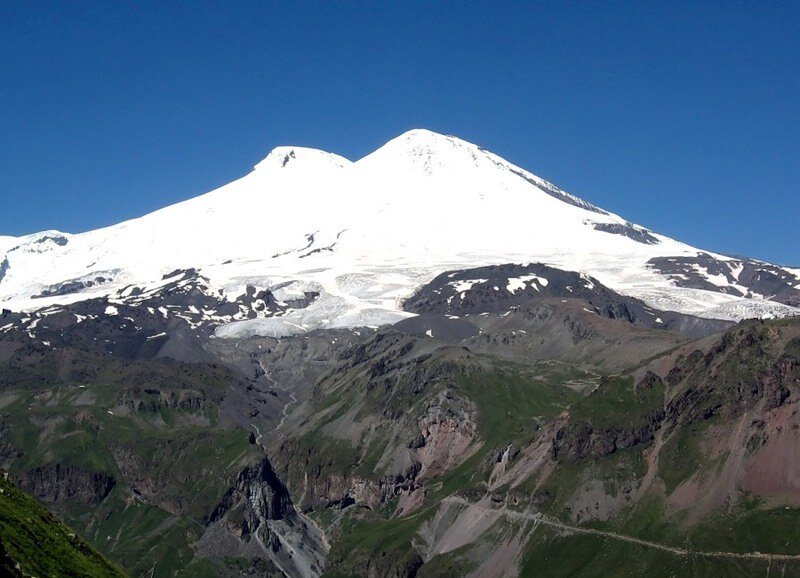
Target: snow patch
{"x": 466, "y": 285}
{"x": 517, "y": 283}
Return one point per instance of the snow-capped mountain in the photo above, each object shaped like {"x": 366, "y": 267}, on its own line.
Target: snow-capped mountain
{"x": 311, "y": 240}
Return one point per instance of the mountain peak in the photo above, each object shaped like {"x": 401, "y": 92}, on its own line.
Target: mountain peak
{"x": 295, "y": 157}
{"x": 423, "y": 134}
{"x": 424, "y": 150}
{"x": 420, "y": 138}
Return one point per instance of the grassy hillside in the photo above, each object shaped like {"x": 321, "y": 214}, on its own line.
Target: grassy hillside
{"x": 35, "y": 543}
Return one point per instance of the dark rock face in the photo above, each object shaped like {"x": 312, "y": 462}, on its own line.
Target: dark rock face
{"x": 322, "y": 487}
{"x": 443, "y": 328}
{"x": 636, "y": 415}
{"x": 59, "y": 240}
{"x": 151, "y": 399}
{"x": 575, "y": 442}
{"x": 745, "y": 276}
{"x": 261, "y": 495}
{"x": 741, "y": 372}
{"x": 66, "y": 484}
{"x": 637, "y": 234}
{"x": 556, "y": 193}
{"x": 650, "y": 380}
{"x": 8, "y": 453}
{"x": 4, "y": 266}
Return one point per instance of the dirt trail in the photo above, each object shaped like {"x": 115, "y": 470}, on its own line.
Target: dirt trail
{"x": 542, "y": 519}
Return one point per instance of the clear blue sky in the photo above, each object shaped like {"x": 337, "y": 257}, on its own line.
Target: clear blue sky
{"x": 681, "y": 116}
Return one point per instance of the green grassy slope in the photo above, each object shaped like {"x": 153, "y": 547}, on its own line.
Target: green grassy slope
{"x": 35, "y": 543}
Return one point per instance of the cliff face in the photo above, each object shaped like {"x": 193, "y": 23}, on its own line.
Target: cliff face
{"x": 260, "y": 492}
{"x": 65, "y": 483}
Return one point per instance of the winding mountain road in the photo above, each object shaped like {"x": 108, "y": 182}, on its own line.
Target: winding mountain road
{"x": 677, "y": 551}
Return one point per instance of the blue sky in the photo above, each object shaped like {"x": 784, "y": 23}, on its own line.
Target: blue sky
{"x": 681, "y": 116}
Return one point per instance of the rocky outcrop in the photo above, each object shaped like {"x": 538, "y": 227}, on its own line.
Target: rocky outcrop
{"x": 261, "y": 494}
{"x": 502, "y": 288}
{"x": 152, "y": 399}
{"x": 635, "y": 413}
{"x": 741, "y": 371}
{"x": 574, "y": 442}
{"x": 257, "y": 520}
{"x": 744, "y": 277}
{"x": 66, "y": 484}
{"x": 448, "y": 430}
{"x": 321, "y": 485}
{"x": 638, "y": 234}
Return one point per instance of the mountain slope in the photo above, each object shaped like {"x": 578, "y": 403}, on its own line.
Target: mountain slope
{"x": 362, "y": 236}
{"x": 424, "y": 459}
